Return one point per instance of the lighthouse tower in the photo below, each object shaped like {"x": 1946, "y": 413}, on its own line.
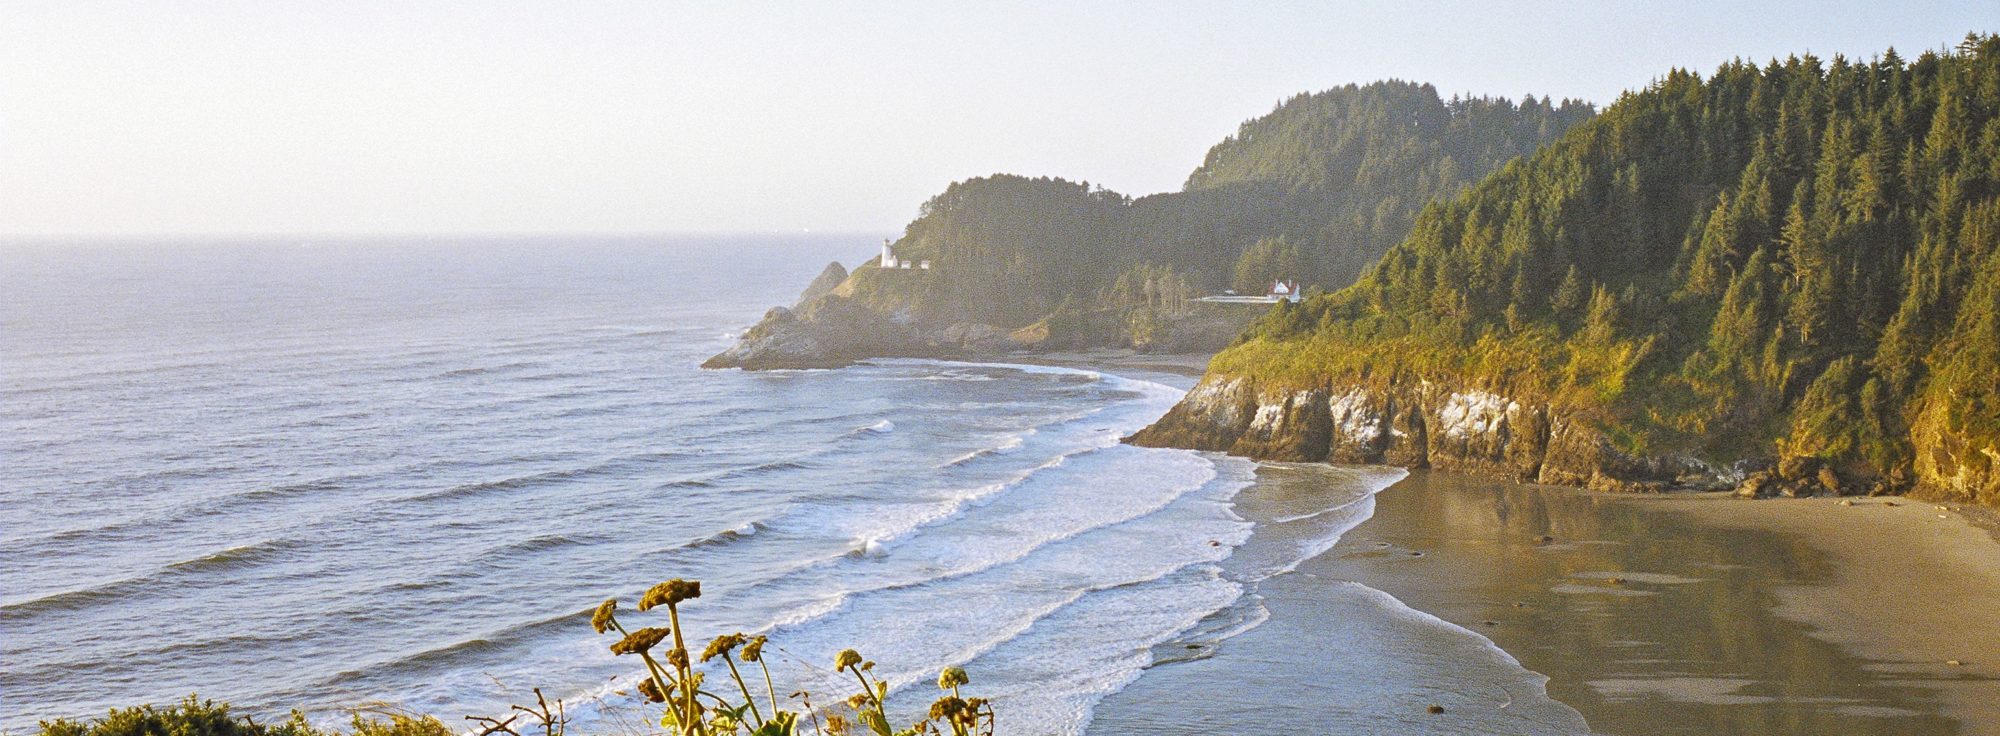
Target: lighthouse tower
{"x": 888, "y": 256}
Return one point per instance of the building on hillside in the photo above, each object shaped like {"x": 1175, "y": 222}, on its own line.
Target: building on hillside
{"x": 889, "y": 259}
{"x": 1284, "y": 290}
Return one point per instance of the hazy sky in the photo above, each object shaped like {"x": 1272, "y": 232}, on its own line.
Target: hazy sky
{"x": 193, "y": 117}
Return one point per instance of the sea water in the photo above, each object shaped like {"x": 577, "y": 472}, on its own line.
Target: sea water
{"x": 328, "y": 473}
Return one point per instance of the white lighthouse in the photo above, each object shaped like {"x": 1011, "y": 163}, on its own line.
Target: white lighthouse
{"x": 889, "y": 259}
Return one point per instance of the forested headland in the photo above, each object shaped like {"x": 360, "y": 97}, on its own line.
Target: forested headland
{"x": 1781, "y": 276}
{"x": 1313, "y": 191}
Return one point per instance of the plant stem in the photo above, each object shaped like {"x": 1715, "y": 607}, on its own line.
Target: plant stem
{"x": 692, "y": 724}
{"x": 652, "y": 667}
{"x": 768, "y": 687}
{"x": 747, "y": 700}
{"x": 659, "y": 673}
{"x": 869, "y": 690}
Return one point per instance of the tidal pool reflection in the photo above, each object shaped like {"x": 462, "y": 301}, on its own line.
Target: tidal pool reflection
{"x": 1645, "y": 620}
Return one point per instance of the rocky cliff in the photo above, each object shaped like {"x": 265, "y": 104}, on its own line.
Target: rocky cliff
{"x": 834, "y": 330}
{"x": 1423, "y": 424}
{"x": 828, "y": 332}
{"x": 843, "y": 317}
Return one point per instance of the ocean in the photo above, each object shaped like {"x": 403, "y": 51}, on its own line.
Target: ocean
{"x": 329, "y": 473}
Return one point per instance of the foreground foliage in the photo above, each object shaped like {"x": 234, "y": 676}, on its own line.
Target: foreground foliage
{"x": 690, "y": 706}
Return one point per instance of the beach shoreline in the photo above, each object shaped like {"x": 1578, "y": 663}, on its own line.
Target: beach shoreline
{"x": 1915, "y": 587}
{"x": 1651, "y": 614}
{"x": 1847, "y": 639}
{"x": 1895, "y": 588}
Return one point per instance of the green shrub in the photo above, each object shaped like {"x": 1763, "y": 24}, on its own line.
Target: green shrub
{"x": 196, "y": 717}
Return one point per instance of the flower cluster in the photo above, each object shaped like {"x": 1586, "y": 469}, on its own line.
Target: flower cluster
{"x": 694, "y": 710}
{"x": 639, "y": 642}
{"x": 670, "y": 593}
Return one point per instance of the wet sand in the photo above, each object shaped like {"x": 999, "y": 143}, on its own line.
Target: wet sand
{"x": 1326, "y": 655}
{"x": 1913, "y": 587}
{"x": 1648, "y": 615}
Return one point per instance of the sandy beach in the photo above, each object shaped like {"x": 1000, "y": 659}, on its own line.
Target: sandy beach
{"x": 1912, "y": 587}
{"x": 1674, "y": 614}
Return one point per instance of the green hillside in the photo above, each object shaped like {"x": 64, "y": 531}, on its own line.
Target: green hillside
{"x": 1314, "y": 191}
{"x": 1791, "y": 260}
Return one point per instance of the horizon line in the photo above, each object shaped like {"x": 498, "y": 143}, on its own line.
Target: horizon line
{"x": 6, "y": 237}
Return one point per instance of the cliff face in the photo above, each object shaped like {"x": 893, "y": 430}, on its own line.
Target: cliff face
{"x": 1422, "y": 424}
{"x": 1458, "y": 428}
{"x": 834, "y": 330}
{"x": 843, "y": 318}
{"x": 1957, "y": 463}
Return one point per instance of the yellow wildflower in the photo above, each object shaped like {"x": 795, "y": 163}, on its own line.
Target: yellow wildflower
{"x": 753, "y": 651}
{"x": 639, "y": 641}
{"x": 847, "y": 658}
{"x": 947, "y": 708}
{"x": 601, "y": 618}
{"x": 669, "y": 593}
{"x": 721, "y": 645}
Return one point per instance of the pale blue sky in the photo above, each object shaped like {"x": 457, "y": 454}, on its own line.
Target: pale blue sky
{"x": 390, "y": 117}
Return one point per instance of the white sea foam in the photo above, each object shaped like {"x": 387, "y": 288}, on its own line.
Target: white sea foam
{"x": 1093, "y": 539}
{"x": 1522, "y": 685}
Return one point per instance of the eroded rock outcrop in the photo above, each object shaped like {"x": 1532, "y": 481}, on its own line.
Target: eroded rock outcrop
{"x": 829, "y": 332}
{"x": 842, "y": 318}
{"x": 1417, "y": 423}
{"x": 829, "y": 278}
{"x": 833, "y": 330}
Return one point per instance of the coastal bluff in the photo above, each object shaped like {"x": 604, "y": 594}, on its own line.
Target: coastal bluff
{"x": 1683, "y": 292}
{"x": 842, "y": 318}
{"x": 1424, "y": 424}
